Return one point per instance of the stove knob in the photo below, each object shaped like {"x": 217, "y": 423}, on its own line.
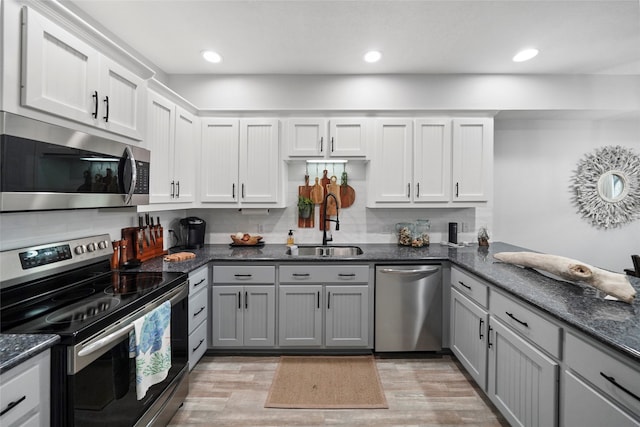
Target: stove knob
{"x": 91, "y": 247}
{"x": 79, "y": 250}
{"x": 103, "y": 244}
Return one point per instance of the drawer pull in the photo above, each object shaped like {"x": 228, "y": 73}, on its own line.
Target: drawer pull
{"x": 199, "y": 283}
{"x": 298, "y": 275}
{"x": 198, "y": 312}
{"x": 243, "y": 276}
{"x": 615, "y": 383}
{"x": 346, "y": 275}
{"x": 516, "y": 319}
{"x": 466, "y": 286}
{"x": 12, "y": 405}
{"x": 480, "y": 329}
{"x": 198, "y": 346}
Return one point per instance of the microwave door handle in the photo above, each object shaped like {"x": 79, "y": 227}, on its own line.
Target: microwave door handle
{"x": 128, "y": 155}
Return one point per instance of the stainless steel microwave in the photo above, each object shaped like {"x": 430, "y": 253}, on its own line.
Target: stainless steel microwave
{"x": 45, "y": 167}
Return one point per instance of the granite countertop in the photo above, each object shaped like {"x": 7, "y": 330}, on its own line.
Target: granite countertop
{"x": 613, "y": 323}
{"x": 17, "y": 348}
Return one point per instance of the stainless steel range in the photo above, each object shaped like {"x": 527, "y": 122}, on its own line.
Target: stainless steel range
{"x": 67, "y": 288}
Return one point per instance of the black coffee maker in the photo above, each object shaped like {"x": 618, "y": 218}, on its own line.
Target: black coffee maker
{"x": 193, "y": 229}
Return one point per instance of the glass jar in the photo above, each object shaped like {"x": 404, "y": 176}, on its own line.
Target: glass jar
{"x": 421, "y": 236}
{"x": 405, "y": 232}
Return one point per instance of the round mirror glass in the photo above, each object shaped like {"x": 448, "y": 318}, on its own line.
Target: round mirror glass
{"x": 612, "y": 186}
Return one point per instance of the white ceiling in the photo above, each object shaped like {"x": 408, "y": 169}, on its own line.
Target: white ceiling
{"x": 414, "y": 36}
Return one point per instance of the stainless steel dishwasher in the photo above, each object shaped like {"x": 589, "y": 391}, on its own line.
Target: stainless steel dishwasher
{"x": 408, "y": 314}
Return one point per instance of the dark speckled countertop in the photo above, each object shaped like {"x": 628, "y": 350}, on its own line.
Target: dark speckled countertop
{"x": 16, "y": 348}
{"x": 613, "y": 323}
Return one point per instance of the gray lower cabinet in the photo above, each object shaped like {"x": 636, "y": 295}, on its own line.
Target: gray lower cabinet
{"x": 198, "y": 313}
{"x": 24, "y": 392}
{"x": 243, "y": 316}
{"x": 243, "y": 306}
{"x": 468, "y": 335}
{"x": 599, "y": 389}
{"x": 325, "y": 306}
{"x": 522, "y": 381}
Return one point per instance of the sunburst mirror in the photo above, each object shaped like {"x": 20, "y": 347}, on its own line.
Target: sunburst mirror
{"x": 607, "y": 186}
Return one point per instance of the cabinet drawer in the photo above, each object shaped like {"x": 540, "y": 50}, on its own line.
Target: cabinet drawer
{"x": 324, "y": 274}
{"x": 197, "y": 344}
{"x": 593, "y": 364}
{"x": 244, "y": 274}
{"x": 529, "y": 324}
{"x": 198, "y": 279}
{"x": 21, "y": 390}
{"x": 198, "y": 309}
{"x": 470, "y": 286}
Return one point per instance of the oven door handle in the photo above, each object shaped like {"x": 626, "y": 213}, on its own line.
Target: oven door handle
{"x": 105, "y": 341}
{"x": 85, "y": 353}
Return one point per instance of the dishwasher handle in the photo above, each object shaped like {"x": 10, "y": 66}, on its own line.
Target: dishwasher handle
{"x": 427, "y": 271}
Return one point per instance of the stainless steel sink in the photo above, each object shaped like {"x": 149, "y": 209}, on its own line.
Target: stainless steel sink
{"x": 328, "y": 251}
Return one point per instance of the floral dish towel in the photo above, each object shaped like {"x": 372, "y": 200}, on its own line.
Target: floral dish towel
{"x": 153, "y": 348}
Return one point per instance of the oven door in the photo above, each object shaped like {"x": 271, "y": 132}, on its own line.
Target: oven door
{"x": 101, "y": 372}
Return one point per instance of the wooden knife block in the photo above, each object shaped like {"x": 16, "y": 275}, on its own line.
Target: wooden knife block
{"x": 139, "y": 248}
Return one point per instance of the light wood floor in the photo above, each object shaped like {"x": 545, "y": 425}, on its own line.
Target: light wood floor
{"x": 433, "y": 391}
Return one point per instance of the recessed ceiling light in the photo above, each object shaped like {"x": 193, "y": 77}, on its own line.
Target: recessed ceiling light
{"x": 211, "y": 56}
{"x": 525, "y": 55}
{"x": 372, "y": 56}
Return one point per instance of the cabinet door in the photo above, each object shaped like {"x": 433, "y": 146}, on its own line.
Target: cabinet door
{"x": 584, "y": 406}
{"x": 306, "y": 137}
{"x": 522, "y": 382}
{"x": 259, "y": 160}
{"x": 348, "y": 137}
{"x": 219, "y": 160}
{"x": 432, "y": 161}
{"x": 347, "y": 320}
{"x": 469, "y": 336}
{"x": 122, "y": 99}
{"x": 227, "y": 316}
{"x": 184, "y": 156}
{"x": 472, "y": 159}
{"x": 259, "y": 316}
{"x": 61, "y": 73}
{"x": 391, "y": 162}
{"x": 160, "y": 137}
{"x": 300, "y": 315}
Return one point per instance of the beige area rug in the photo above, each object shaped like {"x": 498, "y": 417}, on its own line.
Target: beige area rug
{"x": 326, "y": 382}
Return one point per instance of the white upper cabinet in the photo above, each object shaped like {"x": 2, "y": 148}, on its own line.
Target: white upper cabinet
{"x": 64, "y": 76}
{"x": 241, "y": 163}
{"x": 430, "y": 162}
{"x": 322, "y": 138}
{"x": 390, "y": 172}
{"x": 172, "y": 139}
{"x": 472, "y": 159}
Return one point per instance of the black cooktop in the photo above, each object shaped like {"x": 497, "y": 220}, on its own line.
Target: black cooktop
{"x": 75, "y": 304}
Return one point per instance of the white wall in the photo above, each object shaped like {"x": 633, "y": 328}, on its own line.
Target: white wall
{"x": 535, "y": 161}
